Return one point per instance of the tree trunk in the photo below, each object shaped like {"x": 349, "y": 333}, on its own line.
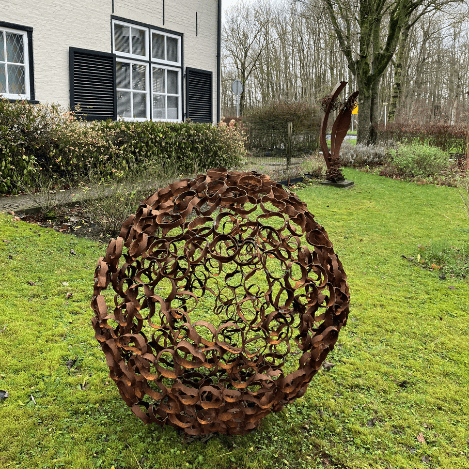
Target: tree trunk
{"x": 364, "y": 112}
{"x": 396, "y": 87}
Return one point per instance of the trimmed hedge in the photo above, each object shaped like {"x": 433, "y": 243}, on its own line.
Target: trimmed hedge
{"x": 45, "y": 139}
{"x": 449, "y": 138}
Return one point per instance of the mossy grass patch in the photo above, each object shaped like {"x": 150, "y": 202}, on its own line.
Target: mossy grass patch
{"x": 396, "y": 397}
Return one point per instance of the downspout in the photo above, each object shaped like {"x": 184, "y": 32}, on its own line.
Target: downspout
{"x": 219, "y": 62}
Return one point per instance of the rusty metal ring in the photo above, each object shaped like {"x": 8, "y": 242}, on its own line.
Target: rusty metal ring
{"x": 229, "y": 297}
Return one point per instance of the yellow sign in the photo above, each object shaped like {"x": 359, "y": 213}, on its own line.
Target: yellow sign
{"x": 355, "y": 111}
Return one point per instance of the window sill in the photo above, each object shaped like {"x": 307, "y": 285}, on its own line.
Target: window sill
{"x": 29, "y": 101}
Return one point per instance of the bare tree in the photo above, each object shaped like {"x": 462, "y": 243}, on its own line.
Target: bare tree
{"x": 243, "y": 40}
{"x": 290, "y": 50}
{"x": 369, "y": 19}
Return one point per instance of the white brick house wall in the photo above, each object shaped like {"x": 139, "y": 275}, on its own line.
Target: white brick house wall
{"x": 86, "y": 24}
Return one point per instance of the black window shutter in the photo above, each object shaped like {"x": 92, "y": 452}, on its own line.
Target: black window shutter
{"x": 199, "y": 95}
{"x": 92, "y": 84}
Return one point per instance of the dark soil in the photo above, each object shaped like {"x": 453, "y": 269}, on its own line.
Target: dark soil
{"x": 71, "y": 220}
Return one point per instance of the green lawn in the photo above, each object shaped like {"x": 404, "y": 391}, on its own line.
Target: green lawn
{"x": 397, "y": 397}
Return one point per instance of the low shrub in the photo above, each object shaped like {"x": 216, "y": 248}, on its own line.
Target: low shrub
{"x": 26, "y": 134}
{"x": 363, "y": 155}
{"x": 416, "y": 160}
{"x": 45, "y": 139}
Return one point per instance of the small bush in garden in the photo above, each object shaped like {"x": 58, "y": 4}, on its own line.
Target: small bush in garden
{"x": 363, "y": 155}
{"x": 418, "y": 160}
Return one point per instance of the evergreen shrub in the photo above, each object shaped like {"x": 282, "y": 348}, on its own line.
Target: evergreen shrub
{"x": 46, "y": 140}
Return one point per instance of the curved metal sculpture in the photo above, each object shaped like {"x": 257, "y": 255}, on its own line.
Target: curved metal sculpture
{"x": 339, "y": 130}
{"x": 229, "y": 297}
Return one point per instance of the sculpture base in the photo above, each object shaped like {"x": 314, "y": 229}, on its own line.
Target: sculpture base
{"x": 289, "y": 182}
{"x": 343, "y": 184}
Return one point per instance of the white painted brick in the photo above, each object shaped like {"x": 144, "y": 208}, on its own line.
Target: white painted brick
{"x": 86, "y": 24}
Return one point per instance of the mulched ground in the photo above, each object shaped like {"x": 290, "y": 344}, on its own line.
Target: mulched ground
{"x": 71, "y": 220}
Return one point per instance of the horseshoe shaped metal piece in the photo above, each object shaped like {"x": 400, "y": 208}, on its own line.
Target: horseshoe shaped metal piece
{"x": 228, "y": 298}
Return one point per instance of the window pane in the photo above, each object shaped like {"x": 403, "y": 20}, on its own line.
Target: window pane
{"x": 2, "y": 44}
{"x": 3, "y": 79}
{"x": 158, "y": 80}
{"x": 123, "y": 104}
{"x": 138, "y": 77}
{"x": 172, "y": 49}
{"x": 157, "y": 46}
{"x": 15, "y": 48}
{"x": 140, "y": 105}
{"x": 16, "y": 83}
{"x": 121, "y": 38}
{"x": 138, "y": 41}
{"x": 172, "y": 82}
{"x": 123, "y": 75}
{"x": 172, "y": 107}
{"x": 159, "y": 111}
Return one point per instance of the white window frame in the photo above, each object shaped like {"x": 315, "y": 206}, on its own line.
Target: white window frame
{"x": 27, "y": 87}
{"x": 166, "y": 94}
{"x": 125, "y": 54}
{"x": 149, "y": 62}
{"x": 131, "y": 91}
{"x": 165, "y": 61}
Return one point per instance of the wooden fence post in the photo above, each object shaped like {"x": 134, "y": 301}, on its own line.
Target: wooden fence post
{"x": 289, "y": 143}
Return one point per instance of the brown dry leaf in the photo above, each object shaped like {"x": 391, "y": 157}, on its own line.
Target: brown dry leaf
{"x": 420, "y": 438}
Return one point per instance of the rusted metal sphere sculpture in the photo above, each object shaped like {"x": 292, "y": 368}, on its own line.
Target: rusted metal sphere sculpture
{"x": 228, "y": 297}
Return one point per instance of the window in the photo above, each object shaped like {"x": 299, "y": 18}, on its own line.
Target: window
{"x": 14, "y": 64}
{"x": 130, "y": 41}
{"x": 148, "y": 73}
{"x": 166, "y": 93}
{"x": 132, "y": 89}
{"x": 165, "y": 48}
